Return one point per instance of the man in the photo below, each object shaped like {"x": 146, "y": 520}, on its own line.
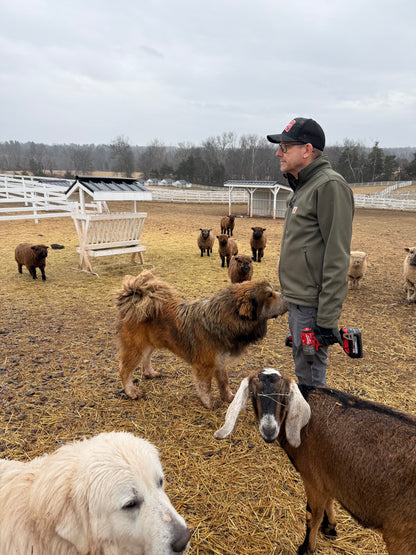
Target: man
{"x": 315, "y": 249}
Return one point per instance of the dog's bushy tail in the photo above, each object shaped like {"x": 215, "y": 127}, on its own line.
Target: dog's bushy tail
{"x": 142, "y": 297}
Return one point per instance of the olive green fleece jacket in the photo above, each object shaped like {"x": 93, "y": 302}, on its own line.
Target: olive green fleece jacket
{"x": 315, "y": 249}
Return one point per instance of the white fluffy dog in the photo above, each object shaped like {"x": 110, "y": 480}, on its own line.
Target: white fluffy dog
{"x": 99, "y": 496}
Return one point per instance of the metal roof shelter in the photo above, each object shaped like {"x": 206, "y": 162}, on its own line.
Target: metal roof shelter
{"x": 103, "y": 189}
{"x": 101, "y": 233}
{"x": 265, "y": 198}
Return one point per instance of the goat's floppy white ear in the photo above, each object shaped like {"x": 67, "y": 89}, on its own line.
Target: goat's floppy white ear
{"x": 298, "y": 415}
{"x": 234, "y": 410}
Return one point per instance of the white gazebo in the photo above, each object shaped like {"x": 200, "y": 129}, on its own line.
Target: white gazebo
{"x": 265, "y": 198}
{"x": 100, "y": 232}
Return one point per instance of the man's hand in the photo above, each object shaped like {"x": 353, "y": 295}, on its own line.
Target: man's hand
{"x": 327, "y": 336}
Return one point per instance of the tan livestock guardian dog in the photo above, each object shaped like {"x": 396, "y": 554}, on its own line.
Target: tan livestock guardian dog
{"x": 100, "y": 496}
{"x": 203, "y": 333}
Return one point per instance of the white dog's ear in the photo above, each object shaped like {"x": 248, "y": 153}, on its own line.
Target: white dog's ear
{"x": 298, "y": 415}
{"x": 71, "y": 526}
{"x": 234, "y": 410}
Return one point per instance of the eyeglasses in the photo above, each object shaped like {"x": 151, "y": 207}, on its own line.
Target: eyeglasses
{"x": 285, "y": 146}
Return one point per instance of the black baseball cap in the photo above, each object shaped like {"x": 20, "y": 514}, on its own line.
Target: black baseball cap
{"x": 301, "y": 130}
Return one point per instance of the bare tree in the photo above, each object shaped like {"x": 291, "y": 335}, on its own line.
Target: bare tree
{"x": 122, "y": 159}
{"x": 152, "y": 159}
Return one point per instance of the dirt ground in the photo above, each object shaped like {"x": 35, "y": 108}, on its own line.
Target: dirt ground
{"x": 59, "y": 370}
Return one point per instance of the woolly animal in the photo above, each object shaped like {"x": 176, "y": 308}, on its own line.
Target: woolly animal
{"x": 357, "y": 269}
{"x": 240, "y": 268}
{"x": 31, "y": 256}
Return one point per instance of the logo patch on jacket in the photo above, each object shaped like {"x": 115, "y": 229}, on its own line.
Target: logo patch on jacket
{"x": 294, "y": 209}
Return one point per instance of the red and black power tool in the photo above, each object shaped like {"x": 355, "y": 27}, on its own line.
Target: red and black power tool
{"x": 351, "y": 342}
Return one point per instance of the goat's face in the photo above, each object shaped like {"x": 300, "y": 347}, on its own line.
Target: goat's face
{"x": 277, "y": 401}
{"x": 269, "y": 394}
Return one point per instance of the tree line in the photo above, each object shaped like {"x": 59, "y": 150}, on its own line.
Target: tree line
{"x": 215, "y": 161}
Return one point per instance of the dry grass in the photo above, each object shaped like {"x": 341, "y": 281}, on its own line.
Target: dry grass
{"x": 59, "y": 379}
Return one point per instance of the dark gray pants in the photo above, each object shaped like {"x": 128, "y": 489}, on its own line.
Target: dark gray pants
{"x": 309, "y": 374}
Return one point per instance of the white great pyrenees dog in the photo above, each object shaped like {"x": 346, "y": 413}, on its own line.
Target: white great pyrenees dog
{"x": 99, "y": 496}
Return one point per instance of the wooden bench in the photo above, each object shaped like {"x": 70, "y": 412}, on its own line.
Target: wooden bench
{"x": 108, "y": 234}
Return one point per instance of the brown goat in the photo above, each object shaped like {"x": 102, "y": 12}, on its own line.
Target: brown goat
{"x": 361, "y": 453}
{"x": 205, "y": 241}
{"x": 258, "y": 242}
{"x": 227, "y": 224}
{"x": 227, "y": 248}
{"x": 31, "y": 256}
{"x": 409, "y": 271}
{"x": 240, "y": 268}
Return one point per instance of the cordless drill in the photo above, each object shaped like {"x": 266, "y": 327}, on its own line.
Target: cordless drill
{"x": 351, "y": 342}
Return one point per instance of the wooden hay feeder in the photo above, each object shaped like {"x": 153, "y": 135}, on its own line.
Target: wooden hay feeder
{"x": 100, "y": 232}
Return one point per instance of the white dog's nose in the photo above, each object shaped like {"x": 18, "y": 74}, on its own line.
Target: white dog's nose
{"x": 179, "y": 544}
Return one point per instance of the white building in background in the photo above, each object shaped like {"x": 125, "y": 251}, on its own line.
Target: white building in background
{"x": 265, "y": 198}
{"x": 166, "y": 182}
{"x": 182, "y": 184}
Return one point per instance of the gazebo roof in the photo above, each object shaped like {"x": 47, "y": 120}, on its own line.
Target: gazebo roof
{"x": 244, "y": 183}
{"x": 110, "y": 188}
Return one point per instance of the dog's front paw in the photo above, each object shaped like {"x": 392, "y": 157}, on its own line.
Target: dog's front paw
{"x": 133, "y": 392}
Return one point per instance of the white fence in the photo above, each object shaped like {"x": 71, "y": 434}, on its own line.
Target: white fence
{"x": 24, "y": 197}
{"x": 387, "y": 203}
{"x": 213, "y": 197}
{"x": 389, "y": 198}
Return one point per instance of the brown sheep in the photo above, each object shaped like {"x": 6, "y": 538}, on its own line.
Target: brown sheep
{"x": 409, "y": 270}
{"x": 357, "y": 269}
{"x": 258, "y": 242}
{"x": 227, "y": 224}
{"x": 227, "y": 248}
{"x": 31, "y": 256}
{"x": 205, "y": 241}
{"x": 359, "y": 452}
{"x": 240, "y": 268}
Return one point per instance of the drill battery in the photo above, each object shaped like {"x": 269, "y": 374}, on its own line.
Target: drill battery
{"x": 351, "y": 342}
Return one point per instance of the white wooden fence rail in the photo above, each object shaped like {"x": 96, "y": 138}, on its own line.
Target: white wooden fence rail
{"x": 184, "y": 195}
{"x": 23, "y": 197}
{"x": 387, "y": 203}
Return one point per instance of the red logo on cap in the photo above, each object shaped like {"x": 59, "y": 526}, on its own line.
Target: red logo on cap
{"x": 290, "y": 125}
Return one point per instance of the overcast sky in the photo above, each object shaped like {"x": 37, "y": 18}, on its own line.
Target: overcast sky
{"x": 88, "y": 71}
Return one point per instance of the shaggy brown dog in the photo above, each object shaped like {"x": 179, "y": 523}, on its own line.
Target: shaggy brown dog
{"x": 204, "y": 333}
